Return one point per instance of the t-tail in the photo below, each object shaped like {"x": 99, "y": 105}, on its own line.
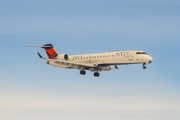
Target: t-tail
{"x": 51, "y": 53}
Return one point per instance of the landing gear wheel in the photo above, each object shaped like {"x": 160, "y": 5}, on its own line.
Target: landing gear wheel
{"x": 82, "y": 72}
{"x": 96, "y": 74}
{"x": 144, "y": 67}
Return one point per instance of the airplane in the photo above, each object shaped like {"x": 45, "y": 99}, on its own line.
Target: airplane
{"x": 95, "y": 62}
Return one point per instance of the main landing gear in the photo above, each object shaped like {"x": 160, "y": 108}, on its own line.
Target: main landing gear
{"x": 82, "y": 72}
{"x": 96, "y": 74}
{"x": 144, "y": 67}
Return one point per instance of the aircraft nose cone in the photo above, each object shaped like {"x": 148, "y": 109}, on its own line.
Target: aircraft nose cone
{"x": 150, "y": 59}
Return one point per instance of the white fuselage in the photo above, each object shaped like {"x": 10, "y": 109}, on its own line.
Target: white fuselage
{"x": 109, "y": 58}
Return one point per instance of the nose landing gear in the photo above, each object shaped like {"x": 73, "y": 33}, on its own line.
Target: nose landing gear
{"x": 144, "y": 67}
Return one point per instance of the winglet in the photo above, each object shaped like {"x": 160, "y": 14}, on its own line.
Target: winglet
{"x": 116, "y": 67}
{"x": 39, "y": 55}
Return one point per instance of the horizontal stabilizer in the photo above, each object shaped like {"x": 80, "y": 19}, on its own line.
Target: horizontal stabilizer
{"x": 39, "y": 46}
{"x": 47, "y": 46}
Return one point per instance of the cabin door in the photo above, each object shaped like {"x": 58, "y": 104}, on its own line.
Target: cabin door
{"x": 131, "y": 57}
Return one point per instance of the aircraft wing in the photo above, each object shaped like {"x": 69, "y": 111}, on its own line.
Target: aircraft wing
{"x": 67, "y": 63}
{"x": 80, "y": 66}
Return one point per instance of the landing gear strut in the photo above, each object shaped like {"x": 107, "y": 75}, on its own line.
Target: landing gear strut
{"x": 96, "y": 74}
{"x": 144, "y": 67}
{"x": 82, "y": 72}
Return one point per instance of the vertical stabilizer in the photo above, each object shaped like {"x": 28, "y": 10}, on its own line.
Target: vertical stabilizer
{"x": 51, "y": 53}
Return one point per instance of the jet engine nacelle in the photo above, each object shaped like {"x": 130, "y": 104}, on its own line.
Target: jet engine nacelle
{"x": 63, "y": 57}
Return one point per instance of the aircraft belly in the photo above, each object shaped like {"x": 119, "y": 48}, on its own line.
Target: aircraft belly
{"x": 57, "y": 65}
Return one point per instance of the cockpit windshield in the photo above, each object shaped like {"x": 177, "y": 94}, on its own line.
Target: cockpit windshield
{"x": 140, "y": 53}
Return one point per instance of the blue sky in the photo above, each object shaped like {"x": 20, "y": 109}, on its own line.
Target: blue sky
{"x": 32, "y": 90}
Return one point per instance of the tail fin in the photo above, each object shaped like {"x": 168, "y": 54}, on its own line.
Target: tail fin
{"x": 51, "y": 53}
